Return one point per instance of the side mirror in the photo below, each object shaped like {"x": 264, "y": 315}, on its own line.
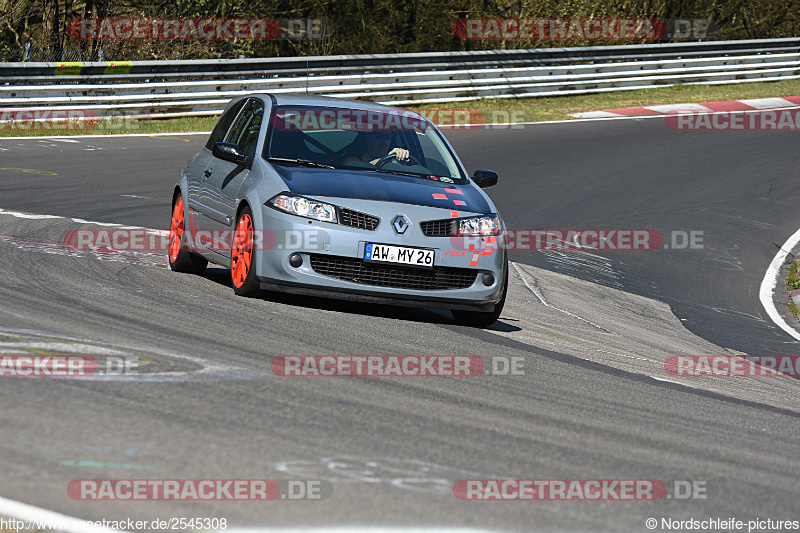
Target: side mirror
{"x": 485, "y": 178}
{"x": 229, "y": 152}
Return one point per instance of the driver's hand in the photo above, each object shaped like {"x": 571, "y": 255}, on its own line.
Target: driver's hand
{"x": 402, "y": 155}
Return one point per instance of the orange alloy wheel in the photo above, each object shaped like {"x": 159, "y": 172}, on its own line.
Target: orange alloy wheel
{"x": 176, "y": 230}
{"x": 242, "y": 252}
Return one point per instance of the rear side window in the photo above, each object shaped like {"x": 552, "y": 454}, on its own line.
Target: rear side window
{"x": 223, "y": 124}
{"x": 244, "y": 132}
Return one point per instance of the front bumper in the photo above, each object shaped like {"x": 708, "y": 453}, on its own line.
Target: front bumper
{"x": 371, "y": 296}
{"x": 291, "y": 235}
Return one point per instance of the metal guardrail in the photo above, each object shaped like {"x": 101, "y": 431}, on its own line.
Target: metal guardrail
{"x": 199, "y": 87}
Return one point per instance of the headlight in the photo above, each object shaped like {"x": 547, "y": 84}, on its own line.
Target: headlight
{"x": 485, "y": 225}
{"x": 304, "y": 207}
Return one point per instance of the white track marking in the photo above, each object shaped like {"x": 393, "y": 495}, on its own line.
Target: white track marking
{"x": 6, "y": 311}
{"x": 677, "y": 107}
{"x": 113, "y": 225}
{"x": 23, "y": 346}
{"x": 157, "y": 260}
{"x": 49, "y": 246}
{"x": 19, "y": 214}
{"x": 573, "y": 315}
{"x": 593, "y": 116}
{"x": 771, "y": 281}
{"x": 758, "y": 104}
{"x": 596, "y": 114}
{"x": 143, "y": 197}
{"x": 34, "y": 216}
{"x": 674, "y": 382}
{"x": 69, "y": 524}
{"x": 767, "y": 103}
{"x": 406, "y": 474}
{"x": 207, "y": 369}
{"x": 525, "y": 281}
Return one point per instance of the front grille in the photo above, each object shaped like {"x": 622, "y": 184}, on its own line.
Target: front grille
{"x": 360, "y": 271}
{"x": 438, "y": 228}
{"x": 358, "y": 220}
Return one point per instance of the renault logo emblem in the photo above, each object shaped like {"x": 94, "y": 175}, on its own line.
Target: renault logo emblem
{"x": 400, "y": 224}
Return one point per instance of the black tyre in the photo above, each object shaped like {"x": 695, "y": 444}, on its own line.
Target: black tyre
{"x": 181, "y": 259}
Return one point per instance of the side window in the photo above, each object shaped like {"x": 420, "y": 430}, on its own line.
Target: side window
{"x": 244, "y": 132}
{"x": 224, "y": 123}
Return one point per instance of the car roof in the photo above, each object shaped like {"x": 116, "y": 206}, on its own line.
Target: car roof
{"x": 300, "y": 99}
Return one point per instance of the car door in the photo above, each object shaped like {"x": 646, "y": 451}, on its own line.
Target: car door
{"x": 222, "y": 179}
{"x": 197, "y": 169}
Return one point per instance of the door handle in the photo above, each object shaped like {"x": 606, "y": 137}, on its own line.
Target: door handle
{"x": 206, "y": 173}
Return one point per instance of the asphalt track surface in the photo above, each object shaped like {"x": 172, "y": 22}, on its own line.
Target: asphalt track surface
{"x": 392, "y": 448}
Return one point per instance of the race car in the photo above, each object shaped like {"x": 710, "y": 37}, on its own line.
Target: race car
{"x": 340, "y": 199}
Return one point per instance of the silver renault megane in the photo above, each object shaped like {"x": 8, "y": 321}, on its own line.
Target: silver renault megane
{"x": 341, "y": 199}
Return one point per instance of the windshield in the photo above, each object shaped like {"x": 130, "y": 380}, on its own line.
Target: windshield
{"x": 396, "y": 142}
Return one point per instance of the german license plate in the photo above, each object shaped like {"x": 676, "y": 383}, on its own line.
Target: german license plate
{"x": 419, "y": 257}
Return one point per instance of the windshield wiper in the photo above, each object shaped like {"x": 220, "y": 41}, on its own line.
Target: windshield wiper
{"x": 395, "y": 172}
{"x": 301, "y": 162}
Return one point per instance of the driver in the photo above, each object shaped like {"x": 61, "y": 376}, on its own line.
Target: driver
{"x": 376, "y": 147}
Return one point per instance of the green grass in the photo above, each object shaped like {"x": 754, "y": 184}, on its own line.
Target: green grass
{"x": 793, "y": 280}
{"x": 492, "y": 109}
{"x": 793, "y": 283}
{"x": 117, "y": 126}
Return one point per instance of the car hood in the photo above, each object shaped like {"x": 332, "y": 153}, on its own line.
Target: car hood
{"x": 383, "y": 187}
